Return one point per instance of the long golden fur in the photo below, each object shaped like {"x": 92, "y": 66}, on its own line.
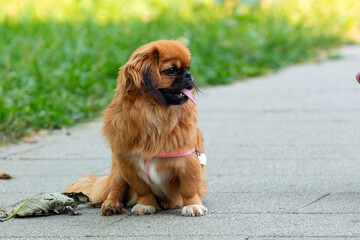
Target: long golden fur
{"x": 138, "y": 124}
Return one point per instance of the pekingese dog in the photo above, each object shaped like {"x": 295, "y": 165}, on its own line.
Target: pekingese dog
{"x": 158, "y": 158}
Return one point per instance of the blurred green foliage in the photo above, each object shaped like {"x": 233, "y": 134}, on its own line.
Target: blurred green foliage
{"x": 59, "y": 59}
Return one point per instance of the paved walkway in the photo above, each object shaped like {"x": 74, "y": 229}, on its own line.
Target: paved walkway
{"x": 283, "y": 162}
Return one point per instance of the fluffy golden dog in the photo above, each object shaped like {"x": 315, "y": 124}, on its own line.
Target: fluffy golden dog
{"x": 151, "y": 126}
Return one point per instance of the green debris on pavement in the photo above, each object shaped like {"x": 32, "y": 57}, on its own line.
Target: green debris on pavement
{"x": 45, "y": 204}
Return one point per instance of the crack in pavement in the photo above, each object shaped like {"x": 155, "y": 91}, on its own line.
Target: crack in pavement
{"x": 317, "y": 200}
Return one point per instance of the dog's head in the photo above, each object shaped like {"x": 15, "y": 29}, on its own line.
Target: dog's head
{"x": 161, "y": 70}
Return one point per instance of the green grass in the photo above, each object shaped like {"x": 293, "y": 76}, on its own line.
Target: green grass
{"x": 59, "y": 65}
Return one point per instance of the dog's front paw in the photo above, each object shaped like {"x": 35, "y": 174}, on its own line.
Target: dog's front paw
{"x": 112, "y": 207}
{"x": 140, "y": 209}
{"x": 194, "y": 210}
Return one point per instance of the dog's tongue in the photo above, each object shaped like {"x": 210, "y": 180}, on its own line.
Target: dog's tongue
{"x": 189, "y": 94}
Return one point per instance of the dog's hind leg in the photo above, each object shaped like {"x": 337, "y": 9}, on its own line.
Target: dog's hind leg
{"x": 118, "y": 189}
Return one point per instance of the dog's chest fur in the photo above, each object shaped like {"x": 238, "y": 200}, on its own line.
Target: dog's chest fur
{"x": 149, "y": 173}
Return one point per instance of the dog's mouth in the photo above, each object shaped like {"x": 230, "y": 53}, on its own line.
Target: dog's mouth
{"x": 188, "y": 94}
{"x": 177, "y": 96}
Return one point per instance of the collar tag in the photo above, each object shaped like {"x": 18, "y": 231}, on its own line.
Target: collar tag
{"x": 202, "y": 158}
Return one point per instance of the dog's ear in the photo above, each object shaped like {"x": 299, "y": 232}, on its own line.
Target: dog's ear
{"x": 141, "y": 71}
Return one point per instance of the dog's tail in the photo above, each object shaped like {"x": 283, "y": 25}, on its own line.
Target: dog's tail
{"x": 94, "y": 187}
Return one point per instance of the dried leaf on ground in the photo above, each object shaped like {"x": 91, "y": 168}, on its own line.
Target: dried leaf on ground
{"x": 47, "y": 203}
{"x": 5, "y": 175}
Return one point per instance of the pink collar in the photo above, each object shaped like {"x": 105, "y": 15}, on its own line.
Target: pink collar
{"x": 174, "y": 154}
{"x": 164, "y": 155}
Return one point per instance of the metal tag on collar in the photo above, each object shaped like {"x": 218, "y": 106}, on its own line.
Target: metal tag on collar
{"x": 201, "y": 156}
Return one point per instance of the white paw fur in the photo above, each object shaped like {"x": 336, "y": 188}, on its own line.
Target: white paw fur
{"x": 140, "y": 209}
{"x": 194, "y": 210}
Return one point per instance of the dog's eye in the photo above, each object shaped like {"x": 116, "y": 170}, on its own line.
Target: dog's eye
{"x": 170, "y": 71}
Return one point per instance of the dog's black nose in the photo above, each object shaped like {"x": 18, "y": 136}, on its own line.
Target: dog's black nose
{"x": 187, "y": 75}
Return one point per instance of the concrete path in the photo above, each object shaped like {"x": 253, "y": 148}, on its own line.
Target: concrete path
{"x": 283, "y": 163}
